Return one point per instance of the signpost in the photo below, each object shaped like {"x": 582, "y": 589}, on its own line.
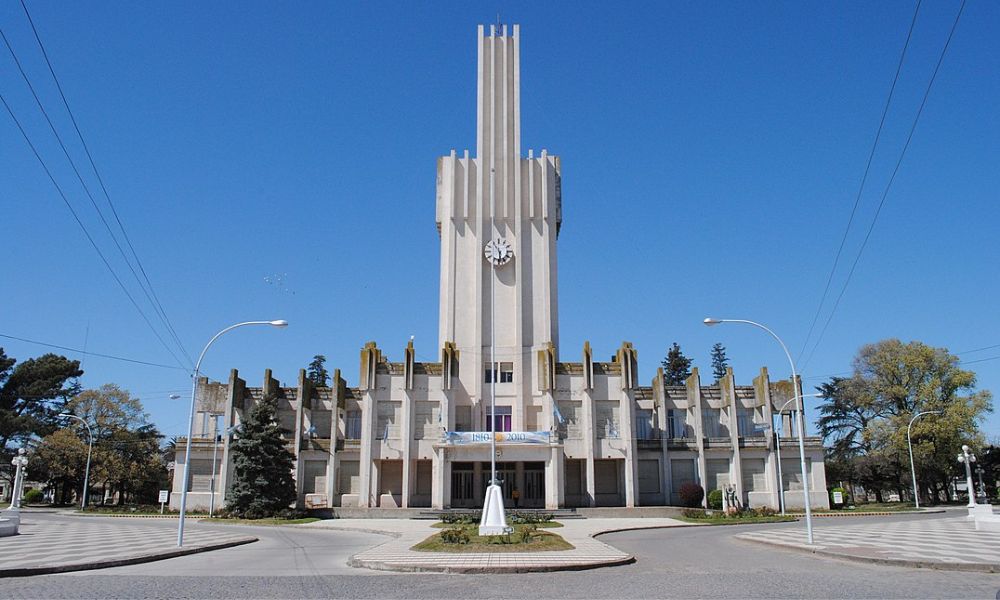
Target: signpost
{"x": 164, "y": 495}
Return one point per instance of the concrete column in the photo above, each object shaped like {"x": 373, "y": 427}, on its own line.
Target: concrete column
{"x": 331, "y": 464}
{"x": 234, "y": 401}
{"x": 728, "y": 385}
{"x": 407, "y": 438}
{"x": 589, "y": 434}
{"x": 660, "y": 405}
{"x": 302, "y": 394}
{"x": 762, "y": 390}
{"x": 438, "y": 501}
{"x": 627, "y": 431}
{"x": 693, "y": 384}
{"x": 554, "y": 496}
{"x": 369, "y": 415}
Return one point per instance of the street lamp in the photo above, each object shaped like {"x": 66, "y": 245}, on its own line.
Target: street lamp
{"x": 777, "y": 449}
{"x": 194, "y": 391}
{"x": 802, "y": 423}
{"x": 909, "y": 444}
{"x": 19, "y": 462}
{"x": 90, "y": 450}
{"x": 967, "y": 458}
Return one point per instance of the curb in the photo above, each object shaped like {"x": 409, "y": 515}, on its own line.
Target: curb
{"x": 121, "y": 562}
{"x": 891, "y": 562}
{"x": 377, "y": 565}
{"x": 874, "y": 514}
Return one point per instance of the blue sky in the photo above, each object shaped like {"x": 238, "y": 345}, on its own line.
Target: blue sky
{"x": 279, "y": 162}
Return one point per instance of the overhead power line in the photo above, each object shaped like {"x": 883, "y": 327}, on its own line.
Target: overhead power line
{"x": 86, "y": 353}
{"x": 86, "y": 189}
{"x": 864, "y": 179}
{"x": 86, "y": 148}
{"x": 90, "y": 239}
{"x": 892, "y": 178}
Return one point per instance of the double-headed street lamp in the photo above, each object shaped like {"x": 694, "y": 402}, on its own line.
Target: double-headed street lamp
{"x": 909, "y": 445}
{"x": 777, "y": 448}
{"x": 194, "y": 391}
{"x": 90, "y": 450}
{"x": 802, "y": 423}
{"x": 967, "y": 458}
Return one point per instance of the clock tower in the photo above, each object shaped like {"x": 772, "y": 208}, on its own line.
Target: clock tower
{"x": 498, "y": 215}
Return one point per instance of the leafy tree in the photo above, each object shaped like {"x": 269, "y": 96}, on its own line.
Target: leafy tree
{"x": 719, "y": 361}
{"x": 60, "y": 460}
{"x": 316, "y": 373}
{"x": 262, "y": 483}
{"x": 32, "y": 394}
{"x": 676, "y": 366}
{"x": 864, "y": 418}
{"x": 127, "y": 459}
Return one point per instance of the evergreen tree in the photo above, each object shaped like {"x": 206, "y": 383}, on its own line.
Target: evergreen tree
{"x": 676, "y": 366}
{"x": 719, "y": 362}
{"x": 262, "y": 467}
{"x": 316, "y": 373}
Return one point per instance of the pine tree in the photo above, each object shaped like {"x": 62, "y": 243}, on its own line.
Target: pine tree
{"x": 316, "y": 372}
{"x": 719, "y": 362}
{"x": 262, "y": 467}
{"x": 676, "y": 366}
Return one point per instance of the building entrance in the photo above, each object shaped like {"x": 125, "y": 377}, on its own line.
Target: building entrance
{"x": 469, "y": 482}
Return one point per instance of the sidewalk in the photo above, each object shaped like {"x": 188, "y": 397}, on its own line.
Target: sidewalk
{"x": 950, "y": 544}
{"x": 60, "y": 545}
{"x": 395, "y": 554}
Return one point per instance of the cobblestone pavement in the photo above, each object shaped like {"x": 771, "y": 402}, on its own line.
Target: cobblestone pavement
{"x": 395, "y": 554}
{"x": 74, "y": 543}
{"x": 951, "y": 542}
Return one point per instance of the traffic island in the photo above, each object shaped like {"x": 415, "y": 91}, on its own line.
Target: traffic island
{"x": 522, "y": 538}
{"x": 945, "y": 544}
{"x": 83, "y": 544}
{"x": 398, "y": 553}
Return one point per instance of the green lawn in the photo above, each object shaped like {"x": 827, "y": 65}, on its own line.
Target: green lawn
{"x": 262, "y": 521}
{"x": 545, "y": 525}
{"x": 721, "y": 520}
{"x": 542, "y": 542}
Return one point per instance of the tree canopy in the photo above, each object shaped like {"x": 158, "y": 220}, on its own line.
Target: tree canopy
{"x": 676, "y": 366}
{"x": 864, "y": 417}
{"x": 32, "y": 395}
{"x": 262, "y": 483}
{"x": 719, "y": 361}
{"x": 316, "y": 373}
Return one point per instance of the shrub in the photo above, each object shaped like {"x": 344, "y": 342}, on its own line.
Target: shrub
{"x": 691, "y": 494}
{"x": 33, "y": 496}
{"x": 844, "y": 497}
{"x": 762, "y": 511}
{"x": 455, "y": 535}
{"x": 694, "y": 513}
{"x": 530, "y": 518}
{"x": 528, "y": 533}
{"x": 462, "y": 518}
{"x": 715, "y": 499}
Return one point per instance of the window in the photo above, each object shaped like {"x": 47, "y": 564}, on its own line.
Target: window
{"x": 711, "y": 419}
{"x": 501, "y": 416}
{"x": 463, "y": 418}
{"x": 644, "y": 424}
{"x": 676, "y": 423}
{"x": 352, "y": 425}
{"x": 505, "y": 374}
{"x": 607, "y": 419}
{"x": 745, "y": 422}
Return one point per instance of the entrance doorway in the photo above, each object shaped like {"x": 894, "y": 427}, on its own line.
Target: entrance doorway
{"x": 463, "y": 492}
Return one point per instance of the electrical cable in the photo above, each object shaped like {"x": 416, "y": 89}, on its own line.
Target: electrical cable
{"x": 104, "y": 188}
{"x": 86, "y": 353}
{"x": 864, "y": 179}
{"x": 888, "y": 186}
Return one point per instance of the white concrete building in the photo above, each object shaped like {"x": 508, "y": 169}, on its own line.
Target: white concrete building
{"x": 571, "y": 434}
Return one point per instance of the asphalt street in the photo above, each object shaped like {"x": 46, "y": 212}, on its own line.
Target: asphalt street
{"x": 689, "y": 562}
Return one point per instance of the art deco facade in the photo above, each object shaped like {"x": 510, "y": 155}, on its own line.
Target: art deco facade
{"x": 571, "y": 434}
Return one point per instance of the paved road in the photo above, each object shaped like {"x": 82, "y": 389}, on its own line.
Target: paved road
{"x": 673, "y": 563}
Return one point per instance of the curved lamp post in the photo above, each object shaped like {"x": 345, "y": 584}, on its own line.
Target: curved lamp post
{"x": 777, "y": 449}
{"x": 194, "y": 391}
{"x": 90, "y": 450}
{"x": 909, "y": 445}
{"x": 802, "y": 423}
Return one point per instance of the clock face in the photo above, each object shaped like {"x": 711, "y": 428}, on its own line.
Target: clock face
{"x": 498, "y": 252}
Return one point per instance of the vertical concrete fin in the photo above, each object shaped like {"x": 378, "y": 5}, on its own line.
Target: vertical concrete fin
{"x": 409, "y": 362}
